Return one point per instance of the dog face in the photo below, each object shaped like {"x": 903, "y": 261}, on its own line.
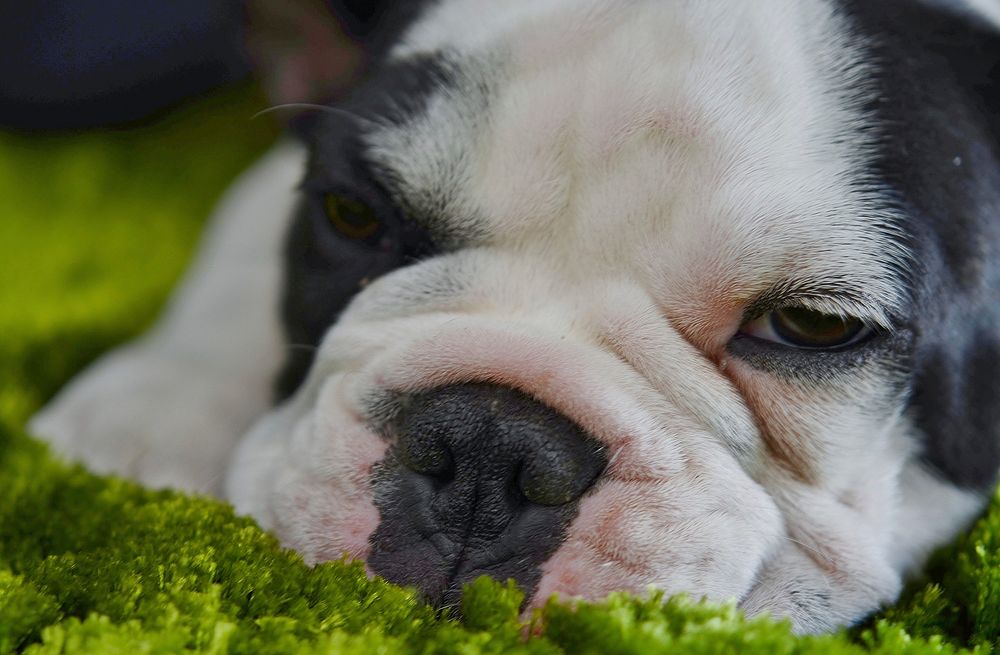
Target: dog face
{"x": 604, "y": 295}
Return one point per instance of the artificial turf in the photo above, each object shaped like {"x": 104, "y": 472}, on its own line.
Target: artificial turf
{"x": 94, "y": 229}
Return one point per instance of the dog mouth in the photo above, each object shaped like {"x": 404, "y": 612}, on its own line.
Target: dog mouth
{"x": 480, "y": 479}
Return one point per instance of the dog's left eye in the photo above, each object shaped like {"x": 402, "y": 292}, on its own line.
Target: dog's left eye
{"x": 351, "y": 218}
{"x": 801, "y": 327}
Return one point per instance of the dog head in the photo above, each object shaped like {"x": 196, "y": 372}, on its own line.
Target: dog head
{"x": 603, "y": 295}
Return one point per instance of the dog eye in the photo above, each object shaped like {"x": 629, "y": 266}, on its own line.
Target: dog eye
{"x": 351, "y": 218}
{"x": 805, "y": 328}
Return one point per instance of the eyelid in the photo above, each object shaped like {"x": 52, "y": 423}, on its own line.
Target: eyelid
{"x": 844, "y": 305}
{"x": 315, "y": 190}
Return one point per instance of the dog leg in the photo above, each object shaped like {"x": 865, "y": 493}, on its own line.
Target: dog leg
{"x": 168, "y": 409}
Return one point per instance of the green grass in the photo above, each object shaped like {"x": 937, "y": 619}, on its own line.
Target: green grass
{"x": 94, "y": 230}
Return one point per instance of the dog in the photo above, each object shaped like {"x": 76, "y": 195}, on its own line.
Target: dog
{"x": 601, "y": 295}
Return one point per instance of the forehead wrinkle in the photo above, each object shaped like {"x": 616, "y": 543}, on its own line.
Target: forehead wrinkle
{"x": 549, "y": 137}
{"x": 532, "y": 143}
{"x": 618, "y": 88}
{"x": 737, "y": 149}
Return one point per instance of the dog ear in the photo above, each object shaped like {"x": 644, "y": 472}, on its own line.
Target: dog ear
{"x": 312, "y": 50}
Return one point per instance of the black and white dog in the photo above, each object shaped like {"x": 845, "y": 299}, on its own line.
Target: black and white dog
{"x": 599, "y": 295}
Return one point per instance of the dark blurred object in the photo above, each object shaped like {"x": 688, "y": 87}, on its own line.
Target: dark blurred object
{"x": 360, "y": 17}
{"x": 84, "y": 63}
{"x": 306, "y": 50}
{"x": 314, "y": 50}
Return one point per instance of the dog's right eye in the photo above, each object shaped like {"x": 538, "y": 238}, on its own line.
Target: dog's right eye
{"x": 804, "y": 328}
{"x": 351, "y": 218}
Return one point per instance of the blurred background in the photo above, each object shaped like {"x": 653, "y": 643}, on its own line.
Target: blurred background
{"x": 71, "y": 64}
{"x": 121, "y": 124}
{"x": 84, "y": 63}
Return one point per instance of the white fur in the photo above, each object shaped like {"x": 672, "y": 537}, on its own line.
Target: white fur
{"x": 987, "y": 10}
{"x": 929, "y": 514}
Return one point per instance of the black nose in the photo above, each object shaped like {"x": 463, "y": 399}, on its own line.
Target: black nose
{"x": 512, "y": 446}
{"x": 481, "y": 480}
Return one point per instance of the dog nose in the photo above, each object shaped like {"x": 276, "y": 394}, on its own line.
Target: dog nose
{"x": 518, "y": 448}
{"x": 482, "y": 479}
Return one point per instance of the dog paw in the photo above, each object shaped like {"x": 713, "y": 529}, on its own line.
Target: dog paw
{"x": 159, "y": 419}
{"x": 818, "y": 593}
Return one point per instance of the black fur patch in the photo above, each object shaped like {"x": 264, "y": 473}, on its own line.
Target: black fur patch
{"x": 938, "y": 109}
{"x": 323, "y": 270}
{"x": 377, "y": 23}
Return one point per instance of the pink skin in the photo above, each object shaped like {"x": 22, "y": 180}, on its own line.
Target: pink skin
{"x": 330, "y": 508}
{"x": 625, "y": 539}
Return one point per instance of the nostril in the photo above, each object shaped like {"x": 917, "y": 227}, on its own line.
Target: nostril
{"x": 483, "y": 479}
{"x": 425, "y": 454}
{"x": 545, "y": 490}
{"x": 556, "y": 477}
{"x": 525, "y": 451}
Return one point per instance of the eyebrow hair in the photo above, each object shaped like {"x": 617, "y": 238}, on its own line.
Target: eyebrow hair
{"x": 878, "y": 307}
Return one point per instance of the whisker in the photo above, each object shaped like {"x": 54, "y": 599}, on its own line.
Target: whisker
{"x": 290, "y": 105}
{"x": 614, "y": 456}
{"x": 302, "y": 346}
{"x": 806, "y": 546}
{"x": 314, "y": 107}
